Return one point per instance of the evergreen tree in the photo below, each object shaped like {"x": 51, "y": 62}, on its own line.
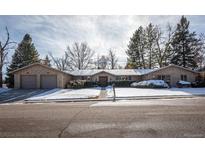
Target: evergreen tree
{"x": 136, "y": 50}
{"x": 103, "y": 62}
{"x": 151, "y": 35}
{"x": 185, "y": 45}
{"x": 24, "y": 55}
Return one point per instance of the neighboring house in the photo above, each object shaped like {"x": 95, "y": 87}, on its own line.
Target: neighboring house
{"x": 41, "y": 76}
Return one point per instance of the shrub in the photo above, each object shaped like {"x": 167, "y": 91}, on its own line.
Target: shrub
{"x": 124, "y": 83}
{"x": 198, "y": 84}
{"x": 150, "y": 84}
{"x": 76, "y": 84}
{"x": 87, "y": 84}
{"x": 183, "y": 84}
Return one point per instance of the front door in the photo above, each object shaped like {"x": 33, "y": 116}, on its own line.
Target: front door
{"x": 103, "y": 80}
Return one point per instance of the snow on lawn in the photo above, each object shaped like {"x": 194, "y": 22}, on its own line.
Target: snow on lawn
{"x": 140, "y": 92}
{"x": 4, "y": 90}
{"x": 63, "y": 94}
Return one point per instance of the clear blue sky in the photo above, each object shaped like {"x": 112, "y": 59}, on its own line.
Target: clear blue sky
{"x": 54, "y": 33}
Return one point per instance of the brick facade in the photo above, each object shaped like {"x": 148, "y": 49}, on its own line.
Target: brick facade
{"x": 38, "y": 70}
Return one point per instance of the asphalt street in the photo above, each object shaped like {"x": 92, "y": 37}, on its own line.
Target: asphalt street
{"x": 83, "y": 120}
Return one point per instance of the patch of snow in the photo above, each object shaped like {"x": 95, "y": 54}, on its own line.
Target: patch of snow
{"x": 141, "y": 92}
{"x": 113, "y": 71}
{"x": 60, "y": 94}
{"x": 4, "y": 90}
{"x": 149, "y": 82}
{"x": 184, "y": 82}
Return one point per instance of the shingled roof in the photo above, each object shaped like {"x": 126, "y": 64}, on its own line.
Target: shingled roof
{"x": 116, "y": 72}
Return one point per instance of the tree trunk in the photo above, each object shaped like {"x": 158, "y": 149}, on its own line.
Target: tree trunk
{"x": 183, "y": 55}
{"x": 1, "y": 80}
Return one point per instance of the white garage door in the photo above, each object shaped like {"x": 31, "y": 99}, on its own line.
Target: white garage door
{"x": 28, "y": 81}
{"x": 48, "y": 81}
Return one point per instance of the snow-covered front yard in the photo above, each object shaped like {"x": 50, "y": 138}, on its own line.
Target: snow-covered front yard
{"x": 71, "y": 94}
{"x": 141, "y": 92}
{"x": 66, "y": 94}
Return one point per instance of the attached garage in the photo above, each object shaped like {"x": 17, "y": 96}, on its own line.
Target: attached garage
{"x": 28, "y": 81}
{"x": 39, "y": 76}
{"x": 48, "y": 81}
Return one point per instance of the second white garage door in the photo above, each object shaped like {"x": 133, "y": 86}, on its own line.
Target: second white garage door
{"x": 48, "y": 81}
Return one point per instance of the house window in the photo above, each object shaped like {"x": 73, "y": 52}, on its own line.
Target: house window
{"x": 123, "y": 78}
{"x": 161, "y": 77}
{"x": 184, "y": 77}
{"x": 164, "y": 77}
{"x": 118, "y": 78}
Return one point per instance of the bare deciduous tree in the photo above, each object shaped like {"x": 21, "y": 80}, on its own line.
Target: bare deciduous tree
{"x": 61, "y": 63}
{"x": 79, "y": 56}
{"x": 201, "y": 57}
{"x": 4, "y": 47}
{"x": 76, "y": 58}
{"x": 96, "y": 62}
{"x": 163, "y": 50}
{"x": 112, "y": 58}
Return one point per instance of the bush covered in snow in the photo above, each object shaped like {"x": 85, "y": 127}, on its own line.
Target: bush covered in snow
{"x": 182, "y": 84}
{"x": 150, "y": 84}
{"x": 88, "y": 84}
{"x": 76, "y": 84}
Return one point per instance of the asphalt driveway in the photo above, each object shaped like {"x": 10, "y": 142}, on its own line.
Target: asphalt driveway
{"x": 19, "y": 95}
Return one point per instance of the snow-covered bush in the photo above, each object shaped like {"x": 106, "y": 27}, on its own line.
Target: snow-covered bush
{"x": 76, "y": 84}
{"x": 150, "y": 84}
{"x": 181, "y": 84}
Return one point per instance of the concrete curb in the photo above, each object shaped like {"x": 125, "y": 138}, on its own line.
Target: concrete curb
{"x": 111, "y": 99}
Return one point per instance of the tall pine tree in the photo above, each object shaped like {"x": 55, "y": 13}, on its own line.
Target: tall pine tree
{"x": 136, "y": 50}
{"x": 185, "y": 45}
{"x": 24, "y": 55}
{"x": 151, "y": 35}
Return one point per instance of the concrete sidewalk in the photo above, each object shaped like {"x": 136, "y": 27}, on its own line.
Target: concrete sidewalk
{"x": 111, "y": 99}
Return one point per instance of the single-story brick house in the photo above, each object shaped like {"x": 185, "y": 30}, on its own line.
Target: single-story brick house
{"x": 41, "y": 76}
